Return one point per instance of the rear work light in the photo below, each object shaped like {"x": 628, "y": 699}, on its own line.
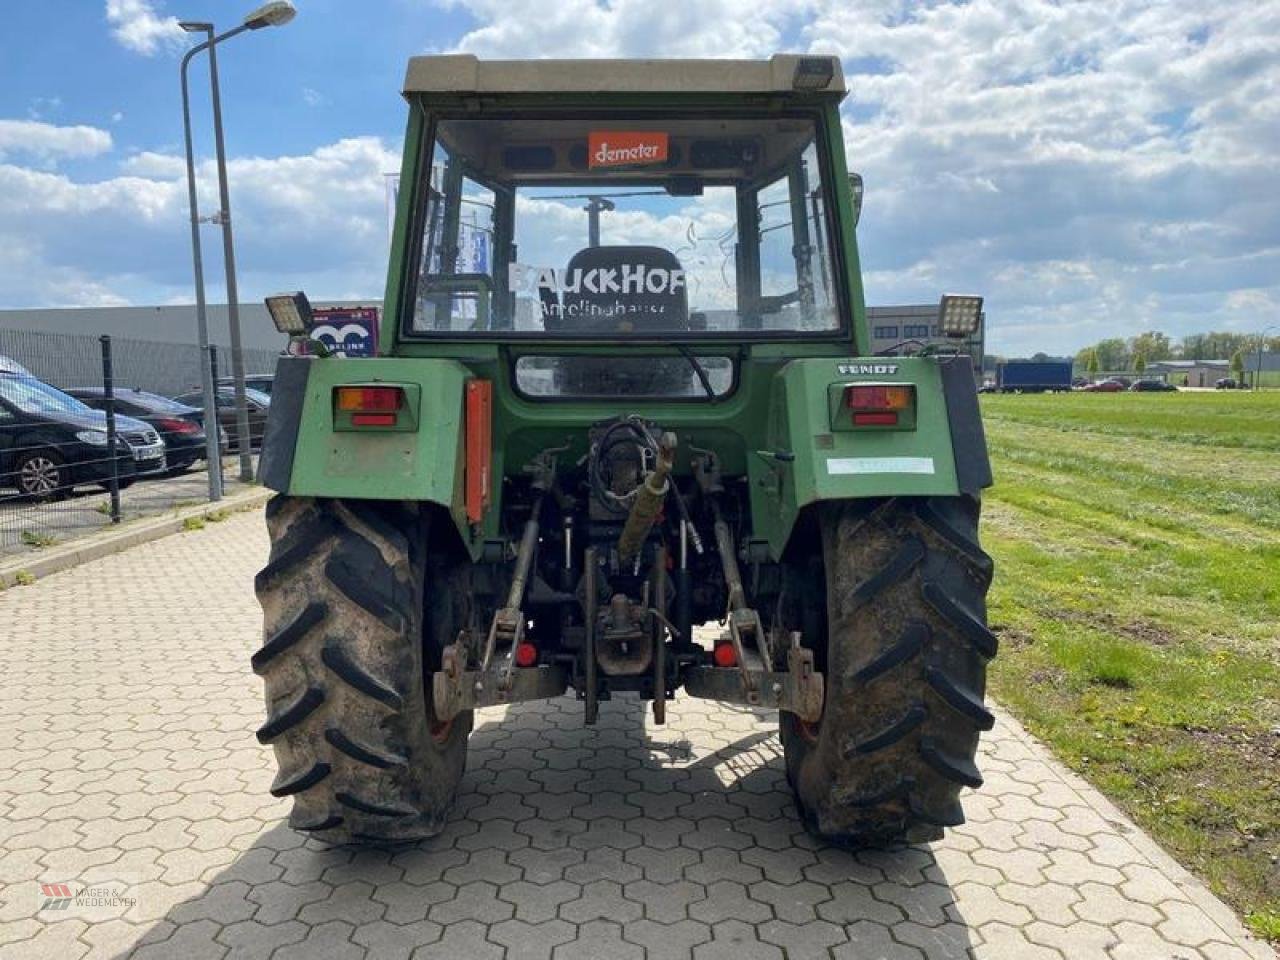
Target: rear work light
{"x": 959, "y": 315}
{"x": 878, "y": 404}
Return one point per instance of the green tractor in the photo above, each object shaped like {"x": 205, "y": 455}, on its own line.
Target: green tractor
{"x": 621, "y": 389}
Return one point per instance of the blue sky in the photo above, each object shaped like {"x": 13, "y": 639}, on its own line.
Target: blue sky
{"x": 1094, "y": 168}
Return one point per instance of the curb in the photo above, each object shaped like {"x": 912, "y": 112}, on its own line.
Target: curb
{"x": 1195, "y": 890}
{"x": 35, "y": 567}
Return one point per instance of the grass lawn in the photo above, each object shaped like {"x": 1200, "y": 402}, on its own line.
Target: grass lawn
{"x": 1137, "y": 595}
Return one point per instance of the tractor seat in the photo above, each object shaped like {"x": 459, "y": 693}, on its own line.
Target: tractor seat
{"x": 622, "y": 289}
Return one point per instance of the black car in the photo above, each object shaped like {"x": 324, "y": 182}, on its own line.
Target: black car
{"x": 50, "y": 442}
{"x": 254, "y": 381}
{"x": 1153, "y": 386}
{"x": 259, "y": 405}
{"x": 181, "y": 427}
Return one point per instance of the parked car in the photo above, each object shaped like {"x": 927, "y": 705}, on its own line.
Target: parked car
{"x": 180, "y": 426}
{"x": 1229, "y": 383}
{"x": 8, "y": 365}
{"x": 1153, "y": 386}
{"x": 1105, "y": 386}
{"x": 259, "y": 405}
{"x": 50, "y": 442}
{"x": 253, "y": 381}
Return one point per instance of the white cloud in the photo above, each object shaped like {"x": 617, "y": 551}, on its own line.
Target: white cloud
{"x": 315, "y": 220}
{"x": 1098, "y": 165}
{"x": 46, "y": 141}
{"x": 626, "y": 28}
{"x": 313, "y": 98}
{"x": 160, "y": 166}
{"x": 137, "y": 26}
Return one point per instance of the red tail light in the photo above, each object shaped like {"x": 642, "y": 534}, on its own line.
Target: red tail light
{"x": 877, "y": 397}
{"x": 875, "y": 419}
{"x": 174, "y": 425}
{"x": 370, "y": 399}
{"x": 878, "y": 404}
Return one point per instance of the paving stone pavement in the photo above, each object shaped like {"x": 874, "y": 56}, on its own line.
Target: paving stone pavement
{"x": 135, "y": 820}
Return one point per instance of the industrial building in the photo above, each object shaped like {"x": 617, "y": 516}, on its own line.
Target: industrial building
{"x": 166, "y": 324}
{"x": 901, "y": 329}
{"x": 1189, "y": 373}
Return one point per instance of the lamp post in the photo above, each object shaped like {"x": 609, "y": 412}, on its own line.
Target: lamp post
{"x": 272, "y": 14}
{"x": 212, "y": 430}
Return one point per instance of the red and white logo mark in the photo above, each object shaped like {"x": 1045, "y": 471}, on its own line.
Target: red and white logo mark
{"x": 57, "y": 896}
{"x": 622, "y": 148}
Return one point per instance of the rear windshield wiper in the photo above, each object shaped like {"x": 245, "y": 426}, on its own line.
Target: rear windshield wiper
{"x": 699, "y": 370}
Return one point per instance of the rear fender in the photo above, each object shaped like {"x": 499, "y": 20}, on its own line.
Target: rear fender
{"x": 806, "y": 461}
{"x": 305, "y": 456}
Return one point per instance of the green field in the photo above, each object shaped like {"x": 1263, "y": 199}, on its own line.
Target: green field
{"x": 1137, "y": 595}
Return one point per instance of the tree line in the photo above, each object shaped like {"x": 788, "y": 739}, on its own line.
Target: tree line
{"x": 1116, "y": 353}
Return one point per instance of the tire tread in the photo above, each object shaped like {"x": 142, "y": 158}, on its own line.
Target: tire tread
{"x": 343, "y": 663}
{"x": 905, "y": 665}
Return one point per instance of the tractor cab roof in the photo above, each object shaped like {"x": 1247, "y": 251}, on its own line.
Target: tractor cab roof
{"x": 783, "y": 73}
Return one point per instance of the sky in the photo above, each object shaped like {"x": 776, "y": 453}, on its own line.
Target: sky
{"x": 1095, "y": 168}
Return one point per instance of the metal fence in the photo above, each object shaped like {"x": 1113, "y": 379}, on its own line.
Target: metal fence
{"x": 87, "y": 439}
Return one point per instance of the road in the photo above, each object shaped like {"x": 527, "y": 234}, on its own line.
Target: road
{"x": 133, "y": 790}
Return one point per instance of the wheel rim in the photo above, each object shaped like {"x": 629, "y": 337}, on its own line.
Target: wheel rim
{"x": 39, "y": 476}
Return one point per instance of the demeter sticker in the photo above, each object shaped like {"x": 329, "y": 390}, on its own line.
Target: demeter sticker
{"x": 622, "y": 148}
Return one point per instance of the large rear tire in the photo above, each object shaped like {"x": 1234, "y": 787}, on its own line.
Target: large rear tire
{"x": 905, "y": 664}
{"x": 353, "y": 627}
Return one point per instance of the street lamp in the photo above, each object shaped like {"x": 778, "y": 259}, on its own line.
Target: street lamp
{"x": 272, "y": 14}
{"x": 212, "y": 431}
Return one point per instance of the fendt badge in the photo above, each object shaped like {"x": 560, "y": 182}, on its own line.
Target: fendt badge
{"x": 874, "y": 369}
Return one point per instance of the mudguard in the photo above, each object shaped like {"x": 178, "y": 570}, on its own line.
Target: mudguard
{"x": 805, "y": 461}
{"x": 305, "y": 456}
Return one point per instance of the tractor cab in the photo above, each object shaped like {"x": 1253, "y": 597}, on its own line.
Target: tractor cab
{"x": 678, "y": 211}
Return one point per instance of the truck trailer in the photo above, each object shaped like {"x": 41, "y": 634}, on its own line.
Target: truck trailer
{"x": 1033, "y": 376}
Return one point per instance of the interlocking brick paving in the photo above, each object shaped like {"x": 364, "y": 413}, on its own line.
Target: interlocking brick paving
{"x": 129, "y": 771}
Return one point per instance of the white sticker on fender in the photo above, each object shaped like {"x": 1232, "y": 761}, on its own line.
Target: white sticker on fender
{"x": 839, "y": 465}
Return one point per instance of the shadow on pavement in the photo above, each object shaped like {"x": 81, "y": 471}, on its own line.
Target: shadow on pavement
{"x": 619, "y": 840}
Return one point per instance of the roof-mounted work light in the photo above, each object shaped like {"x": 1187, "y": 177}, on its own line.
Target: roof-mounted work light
{"x": 291, "y": 313}
{"x": 812, "y": 73}
{"x": 959, "y": 315}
